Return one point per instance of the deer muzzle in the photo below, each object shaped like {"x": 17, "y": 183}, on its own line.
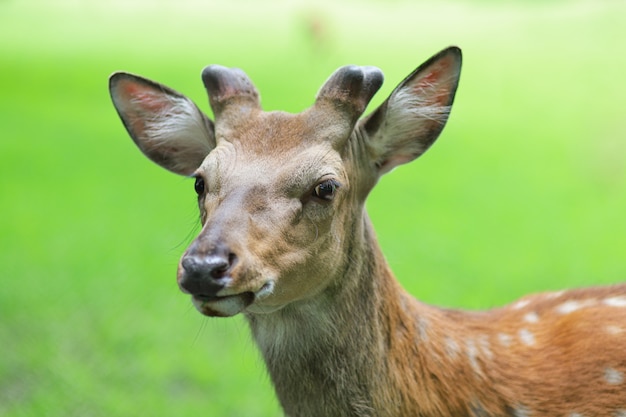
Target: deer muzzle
{"x": 205, "y": 272}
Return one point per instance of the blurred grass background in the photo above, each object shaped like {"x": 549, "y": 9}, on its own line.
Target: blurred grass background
{"x": 524, "y": 192}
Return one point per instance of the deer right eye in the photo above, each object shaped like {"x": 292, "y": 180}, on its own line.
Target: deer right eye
{"x": 325, "y": 190}
{"x": 199, "y": 185}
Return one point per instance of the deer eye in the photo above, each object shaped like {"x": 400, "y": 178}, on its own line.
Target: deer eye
{"x": 199, "y": 185}
{"x": 325, "y": 190}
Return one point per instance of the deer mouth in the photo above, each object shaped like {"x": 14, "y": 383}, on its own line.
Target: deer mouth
{"x": 230, "y": 303}
{"x": 225, "y": 306}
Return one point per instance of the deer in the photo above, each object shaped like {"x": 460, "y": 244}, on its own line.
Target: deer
{"x": 287, "y": 242}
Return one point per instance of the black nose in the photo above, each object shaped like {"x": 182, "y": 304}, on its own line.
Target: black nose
{"x": 205, "y": 275}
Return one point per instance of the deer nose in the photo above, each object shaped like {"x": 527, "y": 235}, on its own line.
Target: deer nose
{"x": 204, "y": 275}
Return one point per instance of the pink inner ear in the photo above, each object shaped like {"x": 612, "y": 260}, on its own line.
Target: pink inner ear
{"x": 145, "y": 97}
{"x": 434, "y": 83}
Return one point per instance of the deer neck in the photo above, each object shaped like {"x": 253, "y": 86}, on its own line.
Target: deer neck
{"x": 329, "y": 355}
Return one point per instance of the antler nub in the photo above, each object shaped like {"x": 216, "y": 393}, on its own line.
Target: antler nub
{"x": 351, "y": 88}
{"x": 225, "y": 85}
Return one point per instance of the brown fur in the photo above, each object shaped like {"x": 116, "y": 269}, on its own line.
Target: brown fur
{"x": 340, "y": 337}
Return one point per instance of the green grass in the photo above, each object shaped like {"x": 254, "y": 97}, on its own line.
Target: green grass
{"x": 525, "y": 191}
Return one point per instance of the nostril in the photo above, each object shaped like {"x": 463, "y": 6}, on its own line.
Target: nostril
{"x": 214, "y": 266}
{"x": 232, "y": 259}
{"x": 217, "y": 267}
{"x": 190, "y": 264}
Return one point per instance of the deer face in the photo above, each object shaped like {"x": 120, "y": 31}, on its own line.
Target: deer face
{"x": 272, "y": 213}
{"x": 279, "y": 194}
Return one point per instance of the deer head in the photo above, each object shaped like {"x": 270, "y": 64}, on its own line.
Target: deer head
{"x": 281, "y": 195}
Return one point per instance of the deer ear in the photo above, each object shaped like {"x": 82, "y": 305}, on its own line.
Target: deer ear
{"x": 410, "y": 120}
{"x": 167, "y": 126}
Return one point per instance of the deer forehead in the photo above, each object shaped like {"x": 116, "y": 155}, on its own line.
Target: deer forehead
{"x": 231, "y": 166}
{"x": 281, "y": 151}
{"x": 275, "y": 132}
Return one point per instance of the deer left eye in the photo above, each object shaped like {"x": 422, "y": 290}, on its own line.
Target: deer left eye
{"x": 199, "y": 185}
{"x": 325, "y": 190}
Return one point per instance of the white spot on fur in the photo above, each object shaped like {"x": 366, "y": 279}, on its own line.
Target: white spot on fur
{"x": 520, "y": 304}
{"x": 615, "y": 301}
{"x": 576, "y": 415}
{"x": 531, "y": 317}
{"x": 452, "y": 348}
{"x": 568, "y": 307}
{"x": 505, "y": 339}
{"x": 527, "y": 337}
{"x": 613, "y": 376}
{"x": 472, "y": 355}
{"x": 485, "y": 346}
{"x": 422, "y": 329}
{"x": 611, "y": 329}
{"x": 553, "y": 295}
{"x": 620, "y": 413}
{"x": 573, "y": 305}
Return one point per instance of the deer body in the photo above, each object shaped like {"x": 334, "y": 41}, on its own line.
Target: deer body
{"x": 287, "y": 242}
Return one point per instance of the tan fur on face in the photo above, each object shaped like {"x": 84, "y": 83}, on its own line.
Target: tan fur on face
{"x": 259, "y": 210}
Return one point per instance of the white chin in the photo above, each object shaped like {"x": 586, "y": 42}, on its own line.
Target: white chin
{"x": 221, "y": 307}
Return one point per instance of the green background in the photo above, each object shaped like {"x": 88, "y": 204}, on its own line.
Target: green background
{"x": 525, "y": 191}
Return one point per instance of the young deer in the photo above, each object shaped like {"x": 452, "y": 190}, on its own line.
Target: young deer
{"x": 287, "y": 242}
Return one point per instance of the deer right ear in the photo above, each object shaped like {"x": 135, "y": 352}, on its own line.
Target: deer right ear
{"x": 167, "y": 126}
{"x": 414, "y": 115}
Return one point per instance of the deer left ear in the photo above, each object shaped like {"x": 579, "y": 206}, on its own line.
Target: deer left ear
{"x": 414, "y": 115}
{"x": 166, "y": 126}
